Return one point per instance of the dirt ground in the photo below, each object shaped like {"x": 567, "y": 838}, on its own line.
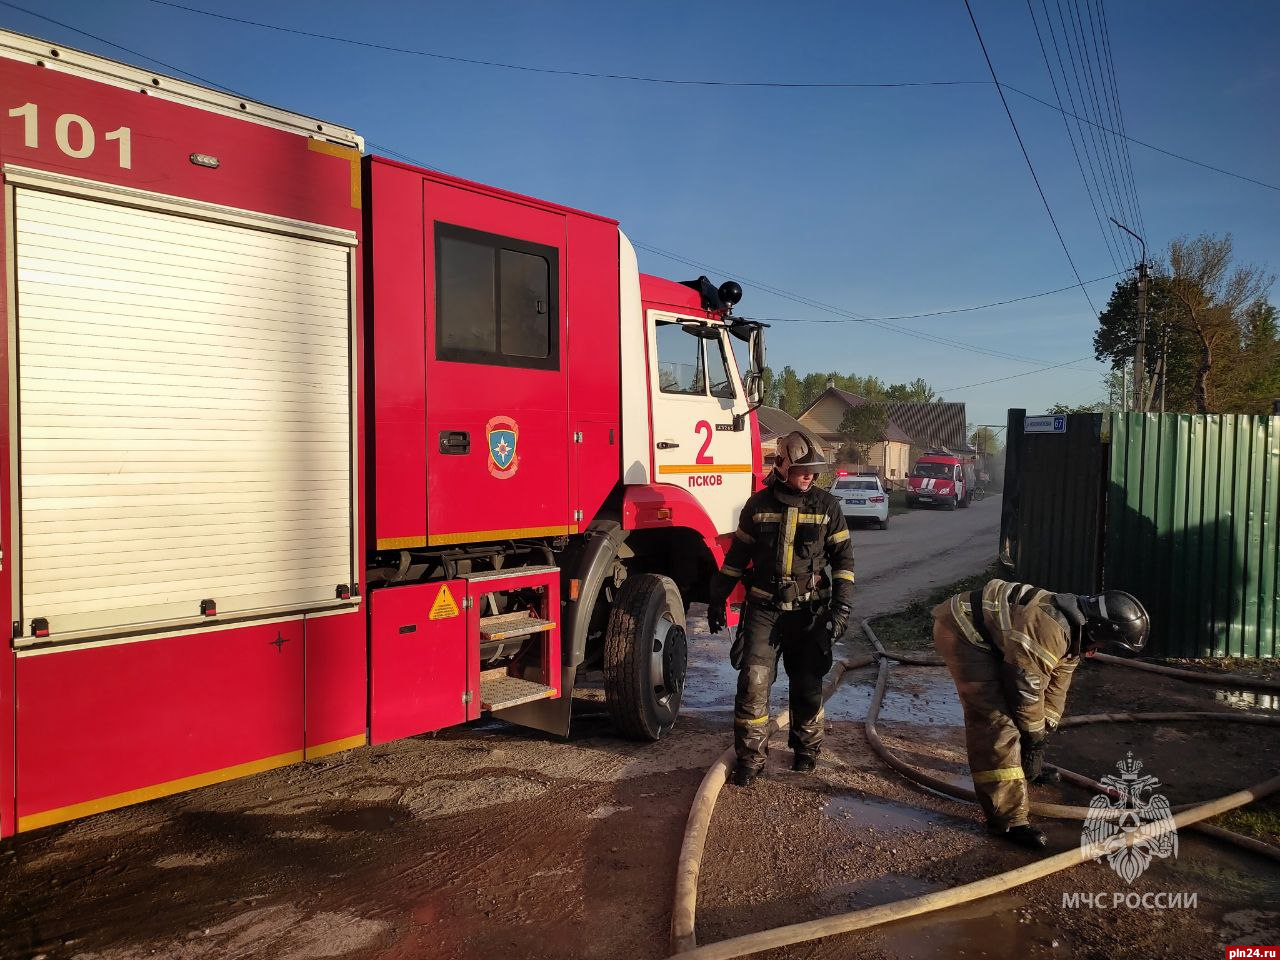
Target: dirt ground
{"x": 858, "y": 835}
{"x": 488, "y": 841}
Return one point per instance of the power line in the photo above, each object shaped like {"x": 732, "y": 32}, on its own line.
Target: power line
{"x": 1108, "y": 144}
{"x": 1142, "y": 143}
{"x": 1106, "y": 234}
{"x": 665, "y": 80}
{"x": 525, "y": 68}
{"x": 1015, "y": 376}
{"x": 777, "y": 291}
{"x": 1106, "y": 185}
{"x": 778, "y": 84}
{"x": 1026, "y": 156}
{"x": 1111, "y": 97}
{"x": 942, "y": 313}
{"x": 1115, "y": 87}
{"x": 119, "y": 46}
{"x": 839, "y": 311}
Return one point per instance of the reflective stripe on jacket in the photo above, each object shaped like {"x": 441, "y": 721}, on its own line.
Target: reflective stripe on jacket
{"x": 784, "y": 536}
{"x": 1021, "y": 626}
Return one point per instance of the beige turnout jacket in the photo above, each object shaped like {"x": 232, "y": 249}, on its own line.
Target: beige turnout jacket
{"x": 1031, "y": 643}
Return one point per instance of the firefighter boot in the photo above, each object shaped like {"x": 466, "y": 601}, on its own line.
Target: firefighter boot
{"x": 744, "y": 776}
{"x": 1023, "y": 835}
{"x": 804, "y": 763}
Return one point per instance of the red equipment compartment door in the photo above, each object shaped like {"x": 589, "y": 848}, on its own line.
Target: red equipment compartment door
{"x": 497, "y": 397}
{"x": 419, "y": 659}
{"x": 105, "y": 726}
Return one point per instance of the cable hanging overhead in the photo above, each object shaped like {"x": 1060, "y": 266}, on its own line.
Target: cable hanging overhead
{"x": 1027, "y": 157}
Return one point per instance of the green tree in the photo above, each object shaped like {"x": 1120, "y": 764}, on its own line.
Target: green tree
{"x": 861, "y": 428}
{"x": 766, "y": 385}
{"x": 1116, "y": 341}
{"x": 917, "y": 391}
{"x": 1209, "y": 347}
{"x": 788, "y": 391}
{"x": 1212, "y": 294}
{"x": 985, "y": 441}
{"x": 1250, "y": 377}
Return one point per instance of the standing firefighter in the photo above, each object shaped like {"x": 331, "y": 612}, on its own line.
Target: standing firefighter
{"x": 787, "y": 535}
{"x": 1012, "y": 649}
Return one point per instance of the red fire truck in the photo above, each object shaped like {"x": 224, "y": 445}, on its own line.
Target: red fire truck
{"x": 941, "y": 477}
{"x": 308, "y": 449}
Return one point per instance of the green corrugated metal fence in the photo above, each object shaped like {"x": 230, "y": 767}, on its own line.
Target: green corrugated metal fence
{"x": 1193, "y": 504}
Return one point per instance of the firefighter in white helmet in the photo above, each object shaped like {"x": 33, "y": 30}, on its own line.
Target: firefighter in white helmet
{"x": 1012, "y": 650}
{"x": 788, "y": 535}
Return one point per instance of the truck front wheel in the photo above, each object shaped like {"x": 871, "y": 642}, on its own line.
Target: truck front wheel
{"x": 645, "y": 656}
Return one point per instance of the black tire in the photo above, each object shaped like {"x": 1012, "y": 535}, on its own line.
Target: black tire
{"x": 951, "y": 504}
{"x": 884, "y": 524}
{"x": 645, "y": 638}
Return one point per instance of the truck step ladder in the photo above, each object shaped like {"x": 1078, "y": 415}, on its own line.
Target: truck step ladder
{"x": 499, "y": 691}
{"x": 531, "y": 630}
{"x": 504, "y": 626}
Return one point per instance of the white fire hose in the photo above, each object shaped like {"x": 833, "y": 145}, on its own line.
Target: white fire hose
{"x": 684, "y": 911}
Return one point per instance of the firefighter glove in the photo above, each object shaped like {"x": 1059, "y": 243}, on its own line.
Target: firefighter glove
{"x": 717, "y": 617}
{"x": 1033, "y": 746}
{"x": 838, "y": 619}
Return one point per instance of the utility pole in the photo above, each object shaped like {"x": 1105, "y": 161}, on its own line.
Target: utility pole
{"x": 1164, "y": 365}
{"x": 1139, "y": 353}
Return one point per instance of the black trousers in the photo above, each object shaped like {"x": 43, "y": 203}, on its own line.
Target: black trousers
{"x": 801, "y": 639}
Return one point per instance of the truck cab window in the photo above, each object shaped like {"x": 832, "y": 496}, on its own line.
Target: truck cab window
{"x": 496, "y": 299}
{"x": 466, "y": 297}
{"x": 718, "y": 370}
{"x": 524, "y": 323}
{"x": 680, "y": 366}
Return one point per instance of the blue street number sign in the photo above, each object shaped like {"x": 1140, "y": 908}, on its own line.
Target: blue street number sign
{"x": 1054, "y": 423}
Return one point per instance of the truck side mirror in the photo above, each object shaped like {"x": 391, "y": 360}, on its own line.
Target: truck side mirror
{"x": 757, "y": 350}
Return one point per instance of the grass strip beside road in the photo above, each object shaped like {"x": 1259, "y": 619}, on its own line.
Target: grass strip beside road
{"x": 912, "y": 628}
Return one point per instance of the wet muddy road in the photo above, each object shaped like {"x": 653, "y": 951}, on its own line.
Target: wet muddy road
{"x": 488, "y": 841}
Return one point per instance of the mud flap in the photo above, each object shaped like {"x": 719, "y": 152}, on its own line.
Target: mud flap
{"x": 549, "y": 716}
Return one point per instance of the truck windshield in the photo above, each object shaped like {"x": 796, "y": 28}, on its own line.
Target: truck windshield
{"x": 940, "y": 470}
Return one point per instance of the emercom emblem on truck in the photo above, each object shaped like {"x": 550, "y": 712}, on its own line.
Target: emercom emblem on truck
{"x": 503, "y": 434}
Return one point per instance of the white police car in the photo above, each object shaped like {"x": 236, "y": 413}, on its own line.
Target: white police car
{"x": 862, "y": 497}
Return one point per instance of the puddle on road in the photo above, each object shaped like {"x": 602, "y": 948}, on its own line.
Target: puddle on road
{"x": 882, "y": 815}
{"x": 915, "y": 695}
{"x": 365, "y": 819}
{"x": 993, "y": 929}
{"x": 1248, "y": 699}
{"x": 710, "y": 684}
{"x": 921, "y": 696}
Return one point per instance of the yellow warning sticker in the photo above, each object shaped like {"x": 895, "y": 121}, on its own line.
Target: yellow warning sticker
{"x": 444, "y": 606}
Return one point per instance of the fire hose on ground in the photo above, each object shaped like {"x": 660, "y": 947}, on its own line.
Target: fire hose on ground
{"x": 684, "y": 911}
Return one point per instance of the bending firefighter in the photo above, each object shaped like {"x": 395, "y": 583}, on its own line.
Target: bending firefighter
{"x": 1012, "y": 650}
{"x": 787, "y": 536}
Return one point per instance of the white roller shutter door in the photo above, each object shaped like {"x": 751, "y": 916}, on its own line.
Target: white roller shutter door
{"x": 184, "y": 415}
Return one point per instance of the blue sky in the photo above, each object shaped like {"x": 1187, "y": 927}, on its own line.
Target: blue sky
{"x": 881, "y": 202}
